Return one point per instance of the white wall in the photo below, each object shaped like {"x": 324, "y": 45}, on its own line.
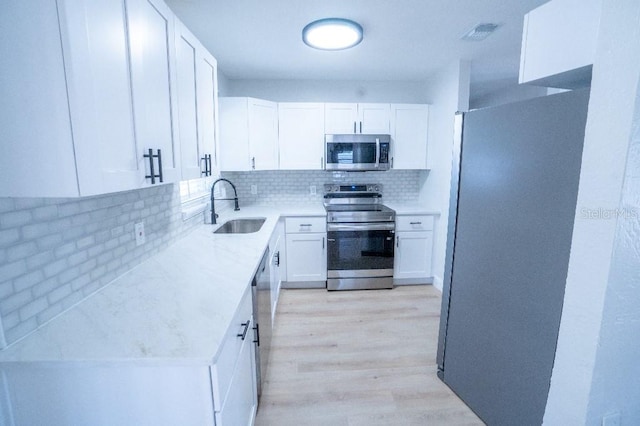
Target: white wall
{"x": 596, "y": 370}
{"x": 512, "y": 93}
{"x": 329, "y": 90}
{"x": 447, "y": 92}
{"x": 223, "y": 84}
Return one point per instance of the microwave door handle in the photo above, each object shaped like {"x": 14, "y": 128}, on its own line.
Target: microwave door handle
{"x": 377, "y": 152}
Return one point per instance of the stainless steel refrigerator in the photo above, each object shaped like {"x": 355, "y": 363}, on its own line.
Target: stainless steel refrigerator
{"x": 513, "y": 200}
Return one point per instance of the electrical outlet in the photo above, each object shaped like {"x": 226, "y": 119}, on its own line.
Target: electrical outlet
{"x": 254, "y": 189}
{"x": 141, "y": 237}
{"x": 312, "y": 190}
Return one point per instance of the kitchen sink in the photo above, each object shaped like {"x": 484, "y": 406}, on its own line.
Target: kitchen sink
{"x": 241, "y": 226}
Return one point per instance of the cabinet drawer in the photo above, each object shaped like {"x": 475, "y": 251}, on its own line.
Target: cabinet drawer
{"x": 228, "y": 357}
{"x": 294, "y": 225}
{"x": 414, "y": 223}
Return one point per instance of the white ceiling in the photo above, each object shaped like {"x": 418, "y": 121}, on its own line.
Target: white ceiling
{"x": 404, "y": 40}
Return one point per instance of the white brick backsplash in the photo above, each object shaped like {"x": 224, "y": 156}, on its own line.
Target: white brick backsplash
{"x": 289, "y": 187}
{"x": 12, "y": 270}
{"x": 15, "y": 219}
{"x": 9, "y": 236}
{"x": 54, "y": 252}
{"x": 7, "y": 205}
{"x": 33, "y": 308}
{"x": 45, "y": 213}
{"x": 28, "y": 280}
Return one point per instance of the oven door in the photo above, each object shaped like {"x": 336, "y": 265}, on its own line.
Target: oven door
{"x": 360, "y": 250}
{"x": 352, "y": 155}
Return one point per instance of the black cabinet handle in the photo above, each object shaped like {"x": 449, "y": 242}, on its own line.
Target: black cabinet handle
{"x": 361, "y": 127}
{"x": 152, "y": 174}
{"x": 277, "y": 257}
{"x": 246, "y": 328}
{"x": 257, "y": 329}
{"x": 415, "y": 223}
{"x": 207, "y": 165}
{"x": 354, "y": 127}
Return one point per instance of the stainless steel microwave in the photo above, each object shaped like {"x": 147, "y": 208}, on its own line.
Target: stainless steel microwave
{"x": 357, "y": 152}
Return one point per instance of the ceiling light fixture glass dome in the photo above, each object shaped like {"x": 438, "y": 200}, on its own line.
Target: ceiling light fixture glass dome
{"x": 332, "y": 34}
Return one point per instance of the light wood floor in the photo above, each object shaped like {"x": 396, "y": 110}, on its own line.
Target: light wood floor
{"x": 358, "y": 358}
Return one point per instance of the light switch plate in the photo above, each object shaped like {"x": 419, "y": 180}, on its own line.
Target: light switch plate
{"x": 141, "y": 237}
{"x": 254, "y": 189}
{"x": 312, "y": 190}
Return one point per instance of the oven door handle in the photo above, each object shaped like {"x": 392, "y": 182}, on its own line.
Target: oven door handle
{"x": 332, "y": 227}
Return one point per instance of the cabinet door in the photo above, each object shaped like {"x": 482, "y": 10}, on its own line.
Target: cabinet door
{"x": 186, "y": 76}
{"x": 99, "y": 86}
{"x": 151, "y": 40}
{"x": 241, "y": 401}
{"x": 207, "y": 83}
{"x": 34, "y": 95}
{"x": 340, "y": 118}
{"x": 552, "y": 54}
{"x": 306, "y": 257}
{"x": 275, "y": 278}
{"x": 234, "y": 135}
{"x": 373, "y": 119}
{"x": 409, "y": 132}
{"x": 413, "y": 254}
{"x": 301, "y": 136}
{"x": 263, "y": 134}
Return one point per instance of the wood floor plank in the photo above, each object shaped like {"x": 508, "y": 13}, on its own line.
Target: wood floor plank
{"x": 358, "y": 358}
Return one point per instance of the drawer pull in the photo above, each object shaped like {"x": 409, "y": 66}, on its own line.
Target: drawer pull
{"x": 415, "y": 223}
{"x": 246, "y": 328}
{"x": 305, "y": 224}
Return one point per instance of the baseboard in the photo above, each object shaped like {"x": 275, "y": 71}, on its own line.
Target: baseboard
{"x": 413, "y": 281}
{"x": 437, "y": 283}
{"x": 304, "y": 284}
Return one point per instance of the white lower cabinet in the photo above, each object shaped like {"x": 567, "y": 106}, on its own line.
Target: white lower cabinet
{"x": 306, "y": 239}
{"x": 142, "y": 391}
{"x": 414, "y": 246}
{"x": 240, "y": 403}
{"x": 278, "y": 272}
{"x": 234, "y": 373}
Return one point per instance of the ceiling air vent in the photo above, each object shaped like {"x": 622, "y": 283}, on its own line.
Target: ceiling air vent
{"x": 480, "y": 32}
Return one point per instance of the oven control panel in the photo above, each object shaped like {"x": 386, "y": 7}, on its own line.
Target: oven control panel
{"x": 334, "y": 188}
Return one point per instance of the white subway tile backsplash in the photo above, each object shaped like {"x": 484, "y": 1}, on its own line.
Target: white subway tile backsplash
{"x": 56, "y": 251}
{"x": 290, "y": 187}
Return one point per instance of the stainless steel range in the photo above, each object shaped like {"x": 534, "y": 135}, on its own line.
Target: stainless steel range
{"x": 360, "y": 237}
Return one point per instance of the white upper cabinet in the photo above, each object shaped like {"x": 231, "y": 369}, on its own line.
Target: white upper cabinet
{"x": 248, "y": 134}
{"x": 90, "y": 84}
{"x": 151, "y": 35}
{"x": 373, "y": 119}
{"x": 70, "y": 128}
{"x": 340, "y": 118}
{"x": 409, "y": 135}
{"x": 207, "y": 83}
{"x": 559, "y": 43}
{"x": 301, "y": 136}
{"x": 343, "y": 118}
{"x": 196, "y": 83}
{"x": 263, "y": 134}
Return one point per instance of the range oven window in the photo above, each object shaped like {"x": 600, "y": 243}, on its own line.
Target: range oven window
{"x": 357, "y": 250}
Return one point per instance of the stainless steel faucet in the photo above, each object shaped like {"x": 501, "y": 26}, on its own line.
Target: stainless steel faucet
{"x": 213, "y": 206}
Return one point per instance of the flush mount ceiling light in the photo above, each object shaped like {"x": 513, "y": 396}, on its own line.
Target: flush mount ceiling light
{"x": 332, "y": 34}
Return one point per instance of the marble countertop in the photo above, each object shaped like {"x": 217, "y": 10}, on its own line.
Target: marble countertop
{"x": 175, "y": 306}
